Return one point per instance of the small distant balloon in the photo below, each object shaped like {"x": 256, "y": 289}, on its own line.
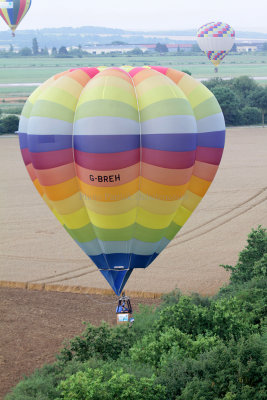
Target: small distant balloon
{"x": 13, "y": 12}
{"x": 216, "y": 40}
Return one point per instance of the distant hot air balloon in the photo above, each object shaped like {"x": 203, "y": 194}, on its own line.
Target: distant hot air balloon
{"x": 216, "y": 39}
{"x": 13, "y": 12}
{"x": 122, "y": 157}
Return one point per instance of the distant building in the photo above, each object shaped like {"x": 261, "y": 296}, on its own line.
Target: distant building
{"x": 124, "y": 48}
{"x": 245, "y": 47}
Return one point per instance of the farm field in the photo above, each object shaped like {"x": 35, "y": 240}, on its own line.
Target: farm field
{"x": 34, "y": 248}
{"x": 30, "y": 69}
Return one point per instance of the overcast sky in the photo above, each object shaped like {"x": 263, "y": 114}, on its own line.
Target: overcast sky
{"x": 146, "y": 14}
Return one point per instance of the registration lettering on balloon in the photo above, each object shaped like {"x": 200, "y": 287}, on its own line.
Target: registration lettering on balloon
{"x": 122, "y": 157}
{"x": 104, "y": 178}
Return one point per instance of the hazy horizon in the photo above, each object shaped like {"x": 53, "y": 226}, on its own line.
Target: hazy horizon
{"x": 145, "y": 15}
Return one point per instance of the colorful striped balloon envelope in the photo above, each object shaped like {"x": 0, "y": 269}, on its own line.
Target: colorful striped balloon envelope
{"x": 13, "y": 12}
{"x": 122, "y": 157}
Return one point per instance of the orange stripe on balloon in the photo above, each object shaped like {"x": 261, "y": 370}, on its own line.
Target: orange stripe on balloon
{"x": 144, "y": 74}
{"x": 162, "y": 192}
{"x": 55, "y": 176}
{"x": 166, "y": 176}
{"x": 205, "y": 171}
{"x": 59, "y": 75}
{"x": 108, "y": 178}
{"x": 39, "y": 187}
{"x": 62, "y": 190}
{"x": 174, "y": 75}
{"x": 80, "y": 76}
{"x": 109, "y": 194}
{"x": 198, "y": 186}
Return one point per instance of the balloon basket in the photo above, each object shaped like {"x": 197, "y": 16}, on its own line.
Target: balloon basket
{"x": 124, "y": 310}
{"x": 123, "y": 318}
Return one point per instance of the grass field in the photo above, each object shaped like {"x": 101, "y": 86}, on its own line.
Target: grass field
{"x": 30, "y": 69}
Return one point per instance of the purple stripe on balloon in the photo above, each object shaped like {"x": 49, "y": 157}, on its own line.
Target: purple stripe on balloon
{"x": 209, "y": 155}
{"x": 46, "y": 143}
{"x": 170, "y": 142}
{"x": 23, "y": 140}
{"x": 106, "y": 143}
{"x": 211, "y": 139}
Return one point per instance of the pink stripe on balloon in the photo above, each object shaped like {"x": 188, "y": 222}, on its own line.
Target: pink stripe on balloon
{"x": 89, "y": 71}
{"x": 135, "y": 71}
{"x": 169, "y": 159}
{"x": 21, "y": 10}
{"x": 107, "y": 161}
{"x": 162, "y": 70}
{"x": 209, "y": 155}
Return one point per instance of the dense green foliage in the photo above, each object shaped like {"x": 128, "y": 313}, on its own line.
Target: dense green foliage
{"x": 9, "y": 124}
{"x": 242, "y": 100}
{"x": 188, "y": 348}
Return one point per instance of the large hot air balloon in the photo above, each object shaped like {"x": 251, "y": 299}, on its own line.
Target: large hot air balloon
{"x": 216, "y": 39}
{"x": 13, "y": 12}
{"x": 122, "y": 157}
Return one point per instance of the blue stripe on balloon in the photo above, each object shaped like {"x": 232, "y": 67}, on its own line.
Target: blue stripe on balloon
{"x": 128, "y": 261}
{"x": 170, "y": 142}
{"x": 106, "y": 143}
{"x": 211, "y": 139}
{"x": 23, "y": 140}
{"x": 45, "y": 143}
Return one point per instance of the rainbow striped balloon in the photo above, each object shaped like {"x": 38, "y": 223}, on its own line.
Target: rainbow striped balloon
{"x": 14, "y": 11}
{"x": 122, "y": 156}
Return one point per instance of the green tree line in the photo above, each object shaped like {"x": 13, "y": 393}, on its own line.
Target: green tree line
{"x": 188, "y": 348}
{"x": 242, "y": 100}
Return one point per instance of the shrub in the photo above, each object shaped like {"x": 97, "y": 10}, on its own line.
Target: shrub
{"x": 250, "y": 116}
{"x": 99, "y": 385}
{"x": 254, "y": 251}
{"x": 104, "y": 342}
{"x": 9, "y": 124}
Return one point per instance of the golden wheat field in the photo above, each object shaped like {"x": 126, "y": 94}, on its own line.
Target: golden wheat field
{"x": 34, "y": 248}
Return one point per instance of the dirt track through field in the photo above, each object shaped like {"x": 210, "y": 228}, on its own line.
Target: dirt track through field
{"x": 35, "y": 249}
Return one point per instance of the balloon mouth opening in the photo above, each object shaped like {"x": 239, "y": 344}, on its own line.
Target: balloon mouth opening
{"x": 119, "y": 267}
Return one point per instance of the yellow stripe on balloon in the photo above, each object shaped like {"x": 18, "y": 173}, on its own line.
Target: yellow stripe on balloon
{"x": 69, "y": 205}
{"x": 157, "y": 94}
{"x": 188, "y": 84}
{"x": 137, "y": 215}
{"x": 70, "y": 85}
{"x": 182, "y": 216}
{"x": 198, "y": 95}
{"x": 109, "y": 93}
{"x": 153, "y": 221}
{"x": 59, "y": 96}
{"x": 191, "y": 200}
{"x": 76, "y": 220}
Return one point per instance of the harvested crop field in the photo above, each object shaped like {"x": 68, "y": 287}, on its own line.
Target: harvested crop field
{"x": 34, "y": 326}
{"x": 35, "y": 249}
